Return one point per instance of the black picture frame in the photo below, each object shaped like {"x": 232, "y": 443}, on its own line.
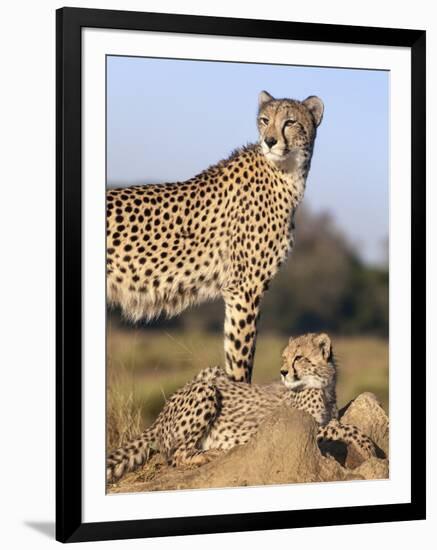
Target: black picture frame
{"x": 69, "y": 525}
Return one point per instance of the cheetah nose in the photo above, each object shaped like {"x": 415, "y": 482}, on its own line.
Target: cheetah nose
{"x": 284, "y": 372}
{"x": 270, "y": 141}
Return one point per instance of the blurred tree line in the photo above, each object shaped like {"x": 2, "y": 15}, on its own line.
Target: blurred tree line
{"x": 324, "y": 285}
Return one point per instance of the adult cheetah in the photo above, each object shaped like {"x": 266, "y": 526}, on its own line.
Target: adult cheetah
{"x": 225, "y": 232}
{"x": 212, "y": 413}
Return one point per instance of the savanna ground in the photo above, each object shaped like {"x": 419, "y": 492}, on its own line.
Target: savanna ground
{"x": 146, "y": 366}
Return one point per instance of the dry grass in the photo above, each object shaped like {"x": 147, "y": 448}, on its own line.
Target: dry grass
{"x": 145, "y": 366}
{"x": 123, "y": 414}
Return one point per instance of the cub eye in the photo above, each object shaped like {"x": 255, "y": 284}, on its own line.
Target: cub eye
{"x": 264, "y": 120}
{"x": 297, "y": 358}
{"x": 289, "y": 122}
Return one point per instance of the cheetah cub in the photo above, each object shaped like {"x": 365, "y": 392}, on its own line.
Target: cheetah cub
{"x": 212, "y": 413}
{"x": 223, "y": 233}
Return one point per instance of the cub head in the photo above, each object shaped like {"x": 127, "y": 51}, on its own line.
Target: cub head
{"x": 308, "y": 362}
{"x": 287, "y": 127}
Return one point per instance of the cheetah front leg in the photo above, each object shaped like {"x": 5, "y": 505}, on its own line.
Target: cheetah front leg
{"x": 187, "y": 455}
{"x": 241, "y": 316}
{"x": 351, "y": 435}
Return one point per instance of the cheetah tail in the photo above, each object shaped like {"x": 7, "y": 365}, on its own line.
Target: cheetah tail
{"x": 129, "y": 457}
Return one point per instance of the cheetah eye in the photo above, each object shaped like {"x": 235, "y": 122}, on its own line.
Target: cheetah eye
{"x": 264, "y": 120}
{"x": 290, "y": 122}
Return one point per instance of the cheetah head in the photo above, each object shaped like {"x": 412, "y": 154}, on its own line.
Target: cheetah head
{"x": 287, "y": 127}
{"x": 308, "y": 362}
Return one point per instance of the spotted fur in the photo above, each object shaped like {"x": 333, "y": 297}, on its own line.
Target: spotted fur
{"x": 308, "y": 362}
{"x": 212, "y": 413}
{"x": 223, "y": 233}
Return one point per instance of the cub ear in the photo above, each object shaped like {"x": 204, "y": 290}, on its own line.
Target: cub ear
{"x": 315, "y": 106}
{"x": 290, "y": 339}
{"x": 264, "y": 97}
{"x": 324, "y": 342}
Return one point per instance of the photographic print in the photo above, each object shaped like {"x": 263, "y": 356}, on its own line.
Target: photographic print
{"x": 240, "y": 274}
{"x": 247, "y": 274}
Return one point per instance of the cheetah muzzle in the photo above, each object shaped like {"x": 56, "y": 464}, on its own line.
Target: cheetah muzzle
{"x": 223, "y": 233}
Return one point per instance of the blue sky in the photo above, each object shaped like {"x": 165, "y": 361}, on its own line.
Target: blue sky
{"x": 170, "y": 119}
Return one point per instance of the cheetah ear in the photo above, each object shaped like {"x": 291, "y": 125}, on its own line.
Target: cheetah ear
{"x": 315, "y": 106}
{"x": 290, "y": 339}
{"x": 264, "y": 97}
{"x": 325, "y": 345}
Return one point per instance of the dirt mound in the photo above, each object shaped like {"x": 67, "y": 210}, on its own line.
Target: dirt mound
{"x": 366, "y": 413}
{"x": 283, "y": 451}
